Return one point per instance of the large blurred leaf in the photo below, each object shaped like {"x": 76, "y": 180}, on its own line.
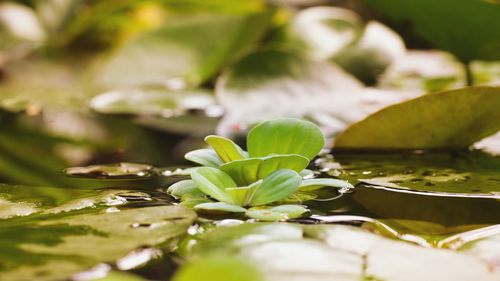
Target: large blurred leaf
{"x": 64, "y": 237}
{"x": 445, "y": 120}
{"x": 187, "y": 50}
{"x": 469, "y": 29}
{"x": 320, "y": 252}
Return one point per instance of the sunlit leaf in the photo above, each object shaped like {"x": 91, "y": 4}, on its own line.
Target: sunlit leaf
{"x": 430, "y": 122}
{"x": 278, "y": 213}
{"x": 249, "y": 170}
{"x": 220, "y": 207}
{"x": 184, "y": 187}
{"x": 285, "y": 136}
{"x": 313, "y": 184}
{"x": 213, "y": 182}
{"x": 205, "y": 157}
{"x": 225, "y": 148}
{"x": 276, "y": 186}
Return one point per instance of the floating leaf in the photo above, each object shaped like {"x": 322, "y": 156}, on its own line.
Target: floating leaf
{"x": 213, "y": 182}
{"x": 313, "y": 184}
{"x": 285, "y": 136}
{"x": 430, "y": 122}
{"x": 70, "y": 242}
{"x": 220, "y": 207}
{"x": 474, "y": 41}
{"x": 205, "y": 157}
{"x": 184, "y": 187}
{"x": 225, "y": 148}
{"x": 468, "y": 175}
{"x": 278, "y": 185}
{"x": 151, "y": 101}
{"x": 186, "y": 50}
{"x": 250, "y": 170}
{"x": 278, "y": 213}
{"x": 119, "y": 170}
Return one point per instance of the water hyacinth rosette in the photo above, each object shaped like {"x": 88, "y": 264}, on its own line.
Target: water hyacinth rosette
{"x": 234, "y": 180}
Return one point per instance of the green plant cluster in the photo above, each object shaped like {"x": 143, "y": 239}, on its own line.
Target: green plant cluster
{"x": 256, "y": 181}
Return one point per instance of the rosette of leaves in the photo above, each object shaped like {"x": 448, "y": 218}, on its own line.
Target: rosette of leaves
{"x": 254, "y": 182}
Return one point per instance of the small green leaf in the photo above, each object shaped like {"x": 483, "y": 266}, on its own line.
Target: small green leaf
{"x": 278, "y": 185}
{"x": 250, "y": 170}
{"x": 242, "y": 196}
{"x": 213, "y": 182}
{"x": 278, "y": 213}
{"x": 184, "y": 187}
{"x": 205, "y": 157}
{"x": 313, "y": 184}
{"x": 226, "y": 148}
{"x": 285, "y": 136}
{"x": 220, "y": 207}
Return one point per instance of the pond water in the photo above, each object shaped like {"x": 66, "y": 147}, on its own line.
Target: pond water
{"x": 123, "y": 219}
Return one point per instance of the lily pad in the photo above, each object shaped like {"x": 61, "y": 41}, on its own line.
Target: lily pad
{"x": 119, "y": 170}
{"x": 70, "y": 240}
{"x": 151, "y": 102}
{"x": 430, "y": 122}
{"x": 473, "y": 174}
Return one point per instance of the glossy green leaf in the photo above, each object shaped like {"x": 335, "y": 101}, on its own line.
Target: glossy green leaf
{"x": 219, "y": 207}
{"x": 250, "y": 170}
{"x": 473, "y": 41}
{"x": 184, "y": 187}
{"x": 278, "y": 213}
{"x": 285, "y": 136}
{"x": 186, "y": 50}
{"x": 242, "y": 196}
{"x": 225, "y": 148}
{"x": 213, "y": 182}
{"x": 445, "y": 120}
{"x": 205, "y": 157}
{"x": 317, "y": 183}
{"x": 278, "y": 185}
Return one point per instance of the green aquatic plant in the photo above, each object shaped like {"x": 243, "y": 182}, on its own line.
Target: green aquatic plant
{"x": 272, "y": 170}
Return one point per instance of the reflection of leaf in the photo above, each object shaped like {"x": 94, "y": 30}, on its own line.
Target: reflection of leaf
{"x": 188, "y": 50}
{"x": 67, "y": 243}
{"x": 445, "y": 120}
{"x": 438, "y": 23}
